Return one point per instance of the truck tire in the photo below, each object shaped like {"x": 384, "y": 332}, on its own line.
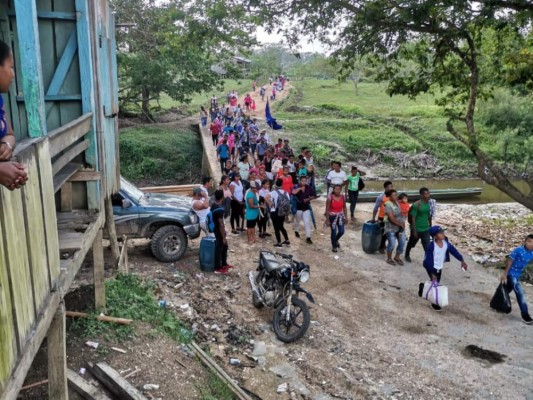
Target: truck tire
{"x": 169, "y": 243}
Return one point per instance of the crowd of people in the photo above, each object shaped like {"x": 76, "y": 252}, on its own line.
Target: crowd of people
{"x": 266, "y": 180}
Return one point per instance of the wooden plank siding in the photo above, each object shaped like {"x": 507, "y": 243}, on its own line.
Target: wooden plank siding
{"x": 62, "y": 106}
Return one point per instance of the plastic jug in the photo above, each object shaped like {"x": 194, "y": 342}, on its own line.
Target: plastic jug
{"x": 207, "y": 254}
{"x": 371, "y": 236}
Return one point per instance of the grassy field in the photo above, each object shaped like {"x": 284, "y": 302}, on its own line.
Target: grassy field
{"x": 324, "y": 114}
{"x": 160, "y": 156}
{"x": 203, "y": 99}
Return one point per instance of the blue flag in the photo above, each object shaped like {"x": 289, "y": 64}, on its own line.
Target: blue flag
{"x": 270, "y": 120}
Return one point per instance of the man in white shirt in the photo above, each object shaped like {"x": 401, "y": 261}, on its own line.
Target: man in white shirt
{"x": 200, "y": 206}
{"x": 336, "y": 176}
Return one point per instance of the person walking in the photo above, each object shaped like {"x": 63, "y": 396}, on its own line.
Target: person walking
{"x": 278, "y": 197}
{"x": 436, "y": 254}
{"x": 223, "y": 154}
{"x": 394, "y": 228}
{"x": 517, "y": 262}
{"x": 352, "y": 189}
{"x": 237, "y": 201}
{"x": 221, "y": 243}
{"x": 420, "y": 218}
{"x": 303, "y": 195}
{"x": 336, "y": 176}
{"x": 336, "y": 216}
{"x": 265, "y": 204}
{"x": 215, "y": 130}
{"x": 252, "y": 211}
{"x": 203, "y": 116}
{"x": 224, "y": 186}
{"x": 379, "y": 211}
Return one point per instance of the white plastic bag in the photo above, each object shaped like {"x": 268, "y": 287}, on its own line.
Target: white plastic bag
{"x": 436, "y": 294}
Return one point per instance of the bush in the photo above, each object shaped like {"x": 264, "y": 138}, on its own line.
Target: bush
{"x": 159, "y": 155}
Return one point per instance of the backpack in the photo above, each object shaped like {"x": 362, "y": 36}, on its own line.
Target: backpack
{"x": 283, "y": 205}
{"x": 210, "y": 219}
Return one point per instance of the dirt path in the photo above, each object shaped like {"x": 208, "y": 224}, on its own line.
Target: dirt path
{"x": 370, "y": 337}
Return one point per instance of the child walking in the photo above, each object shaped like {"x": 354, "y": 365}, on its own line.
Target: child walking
{"x": 437, "y": 253}
{"x": 516, "y": 264}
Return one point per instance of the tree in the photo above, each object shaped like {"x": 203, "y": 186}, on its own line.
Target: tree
{"x": 170, "y": 47}
{"x": 443, "y": 39}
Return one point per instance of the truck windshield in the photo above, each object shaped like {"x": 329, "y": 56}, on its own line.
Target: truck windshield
{"x": 133, "y": 191}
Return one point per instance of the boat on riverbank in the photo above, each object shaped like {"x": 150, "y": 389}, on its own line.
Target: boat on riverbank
{"x": 437, "y": 194}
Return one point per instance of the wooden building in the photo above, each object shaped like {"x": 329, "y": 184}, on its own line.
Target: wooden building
{"x": 62, "y": 106}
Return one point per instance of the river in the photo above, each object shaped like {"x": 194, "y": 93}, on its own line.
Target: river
{"x": 490, "y": 193}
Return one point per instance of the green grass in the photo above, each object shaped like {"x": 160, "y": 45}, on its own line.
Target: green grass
{"x": 203, "y": 99}
{"x": 160, "y": 155}
{"x": 215, "y": 389}
{"x": 128, "y": 296}
{"x": 369, "y": 120}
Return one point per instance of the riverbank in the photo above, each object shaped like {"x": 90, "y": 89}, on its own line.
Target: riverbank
{"x": 487, "y": 232}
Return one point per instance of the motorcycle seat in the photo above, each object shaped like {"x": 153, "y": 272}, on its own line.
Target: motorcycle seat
{"x": 269, "y": 261}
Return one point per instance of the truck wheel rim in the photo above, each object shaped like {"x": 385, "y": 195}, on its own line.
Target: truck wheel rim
{"x": 171, "y": 244}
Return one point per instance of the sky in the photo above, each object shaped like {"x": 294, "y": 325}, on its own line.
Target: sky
{"x": 305, "y": 45}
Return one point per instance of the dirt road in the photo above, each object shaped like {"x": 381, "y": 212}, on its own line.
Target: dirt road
{"x": 371, "y": 336}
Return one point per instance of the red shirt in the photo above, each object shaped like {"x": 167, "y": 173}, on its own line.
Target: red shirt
{"x": 336, "y": 206}
{"x": 404, "y": 208}
{"x": 287, "y": 184}
{"x": 215, "y": 129}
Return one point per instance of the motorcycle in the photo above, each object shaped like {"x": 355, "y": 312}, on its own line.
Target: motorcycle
{"x": 276, "y": 285}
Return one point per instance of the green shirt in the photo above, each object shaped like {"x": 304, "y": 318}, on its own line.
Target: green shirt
{"x": 353, "y": 182}
{"x": 420, "y": 213}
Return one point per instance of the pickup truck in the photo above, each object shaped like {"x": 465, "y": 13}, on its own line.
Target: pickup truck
{"x": 167, "y": 220}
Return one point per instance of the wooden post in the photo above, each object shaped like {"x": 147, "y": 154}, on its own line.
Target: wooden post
{"x": 99, "y": 275}
{"x": 57, "y": 356}
{"x": 30, "y": 57}
{"x": 111, "y": 231}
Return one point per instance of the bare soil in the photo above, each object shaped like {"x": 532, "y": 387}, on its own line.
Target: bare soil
{"x": 371, "y": 336}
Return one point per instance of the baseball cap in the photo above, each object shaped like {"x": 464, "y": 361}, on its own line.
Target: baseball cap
{"x": 196, "y": 191}
{"x": 434, "y": 230}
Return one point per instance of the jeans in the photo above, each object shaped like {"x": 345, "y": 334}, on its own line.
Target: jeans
{"x": 204, "y": 121}
{"x": 306, "y": 217}
{"x": 253, "y": 146}
{"x": 353, "y": 195}
{"x": 337, "y": 230}
{"x": 222, "y": 163}
{"x": 221, "y": 253}
{"x": 513, "y": 284}
{"x": 237, "y": 212}
{"x": 423, "y": 236}
{"x": 392, "y": 238}
{"x": 215, "y": 139}
{"x": 279, "y": 229}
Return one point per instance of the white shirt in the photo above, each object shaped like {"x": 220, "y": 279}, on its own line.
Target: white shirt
{"x": 202, "y": 214}
{"x": 238, "y": 191}
{"x": 439, "y": 255}
{"x": 244, "y": 170}
{"x": 274, "y": 197}
{"x": 337, "y": 178}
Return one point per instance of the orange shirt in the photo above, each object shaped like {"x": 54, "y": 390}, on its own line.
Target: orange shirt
{"x": 382, "y": 207}
{"x": 404, "y": 207}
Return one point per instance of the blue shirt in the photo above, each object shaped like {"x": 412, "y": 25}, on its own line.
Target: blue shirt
{"x": 251, "y": 213}
{"x": 223, "y": 151}
{"x": 521, "y": 258}
{"x": 3, "y": 121}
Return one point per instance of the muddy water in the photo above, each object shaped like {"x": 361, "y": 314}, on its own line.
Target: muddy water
{"x": 490, "y": 193}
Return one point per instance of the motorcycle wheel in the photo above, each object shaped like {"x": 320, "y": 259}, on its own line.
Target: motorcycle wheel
{"x": 292, "y": 330}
